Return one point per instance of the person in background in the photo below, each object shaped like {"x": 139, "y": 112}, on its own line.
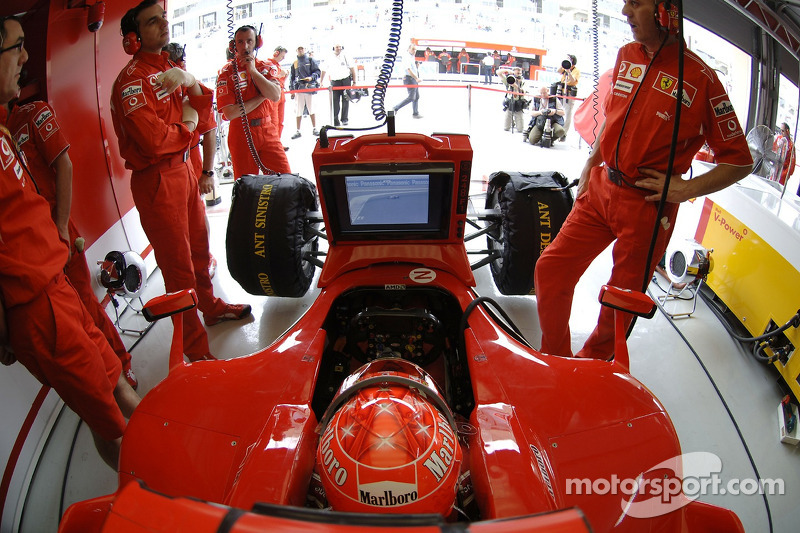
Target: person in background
{"x": 514, "y": 101}
{"x": 411, "y": 80}
{"x": 463, "y": 59}
{"x": 430, "y": 55}
{"x": 43, "y": 323}
{"x": 155, "y": 108}
{"x": 784, "y": 147}
{"x": 487, "y": 64}
{"x": 623, "y": 179}
{"x": 342, "y": 72}
{"x": 305, "y": 74}
{"x": 546, "y": 107}
{"x": 569, "y": 87}
{"x": 444, "y": 62}
{"x": 255, "y": 91}
{"x": 279, "y": 107}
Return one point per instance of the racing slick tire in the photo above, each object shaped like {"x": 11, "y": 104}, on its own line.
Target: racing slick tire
{"x": 533, "y": 207}
{"x": 269, "y": 233}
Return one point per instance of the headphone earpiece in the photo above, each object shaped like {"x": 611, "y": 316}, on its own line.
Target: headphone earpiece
{"x": 131, "y": 43}
{"x": 232, "y": 46}
{"x": 667, "y": 17}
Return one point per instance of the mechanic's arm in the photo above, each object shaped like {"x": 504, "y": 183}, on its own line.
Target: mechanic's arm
{"x": 595, "y": 159}
{"x": 62, "y": 165}
{"x": 681, "y": 190}
{"x": 148, "y": 129}
{"x": 177, "y": 77}
{"x": 209, "y": 143}
{"x": 269, "y": 89}
{"x": 233, "y": 111}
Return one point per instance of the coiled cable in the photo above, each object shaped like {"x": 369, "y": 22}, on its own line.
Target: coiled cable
{"x": 395, "y": 30}
{"x": 596, "y": 63}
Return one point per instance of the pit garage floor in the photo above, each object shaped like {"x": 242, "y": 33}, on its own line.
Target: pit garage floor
{"x": 721, "y": 400}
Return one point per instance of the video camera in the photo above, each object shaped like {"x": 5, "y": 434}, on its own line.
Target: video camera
{"x": 354, "y": 95}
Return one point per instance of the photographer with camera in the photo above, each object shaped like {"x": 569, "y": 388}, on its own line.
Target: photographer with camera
{"x": 514, "y": 102}
{"x": 568, "y": 88}
{"x": 546, "y": 108}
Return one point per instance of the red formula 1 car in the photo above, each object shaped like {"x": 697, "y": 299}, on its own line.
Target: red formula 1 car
{"x": 401, "y": 400}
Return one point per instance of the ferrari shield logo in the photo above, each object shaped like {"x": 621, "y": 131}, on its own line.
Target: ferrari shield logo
{"x": 666, "y": 83}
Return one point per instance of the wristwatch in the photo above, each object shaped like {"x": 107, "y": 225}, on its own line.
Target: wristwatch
{"x": 209, "y": 173}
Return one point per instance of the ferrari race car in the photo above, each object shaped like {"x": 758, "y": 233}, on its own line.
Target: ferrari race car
{"x": 401, "y": 400}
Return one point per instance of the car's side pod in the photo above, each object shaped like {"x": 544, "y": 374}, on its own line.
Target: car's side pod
{"x": 625, "y": 301}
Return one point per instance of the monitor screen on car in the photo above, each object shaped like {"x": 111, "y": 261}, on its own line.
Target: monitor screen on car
{"x": 392, "y": 201}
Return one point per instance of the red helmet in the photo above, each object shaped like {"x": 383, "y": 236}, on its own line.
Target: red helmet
{"x": 389, "y": 443}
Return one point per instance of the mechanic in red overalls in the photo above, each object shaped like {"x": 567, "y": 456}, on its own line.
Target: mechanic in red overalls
{"x": 155, "y": 108}
{"x": 278, "y": 109}
{"x": 43, "y": 323}
{"x": 202, "y": 163}
{"x": 621, "y": 184}
{"x": 257, "y": 87}
{"x": 38, "y": 134}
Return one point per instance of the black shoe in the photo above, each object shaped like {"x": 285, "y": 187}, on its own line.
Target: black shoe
{"x": 336, "y": 124}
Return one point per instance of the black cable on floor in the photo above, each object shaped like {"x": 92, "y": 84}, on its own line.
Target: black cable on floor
{"x": 724, "y": 403}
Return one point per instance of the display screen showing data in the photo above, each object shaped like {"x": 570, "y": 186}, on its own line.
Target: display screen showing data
{"x": 388, "y": 200}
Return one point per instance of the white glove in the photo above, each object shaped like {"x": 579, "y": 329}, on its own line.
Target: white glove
{"x": 174, "y": 78}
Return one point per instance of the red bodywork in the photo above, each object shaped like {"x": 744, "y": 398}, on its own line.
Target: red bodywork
{"x": 244, "y": 432}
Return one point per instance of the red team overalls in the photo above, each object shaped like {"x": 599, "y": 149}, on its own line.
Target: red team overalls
{"x": 155, "y": 145}
{"x": 38, "y": 134}
{"x": 49, "y": 329}
{"x": 263, "y": 131}
{"x": 608, "y": 211}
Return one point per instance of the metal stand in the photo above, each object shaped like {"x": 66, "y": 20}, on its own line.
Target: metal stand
{"x": 670, "y": 295}
{"x": 117, "y": 316}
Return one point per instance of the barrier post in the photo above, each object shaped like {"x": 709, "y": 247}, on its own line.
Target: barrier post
{"x": 469, "y": 105}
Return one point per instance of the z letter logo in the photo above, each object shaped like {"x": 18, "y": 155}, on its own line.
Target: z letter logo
{"x": 422, "y": 275}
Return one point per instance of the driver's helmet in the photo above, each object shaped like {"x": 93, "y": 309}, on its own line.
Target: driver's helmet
{"x": 389, "y": 443}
